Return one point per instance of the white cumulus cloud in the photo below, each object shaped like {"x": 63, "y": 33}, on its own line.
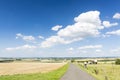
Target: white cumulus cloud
{"x": 116, "y": 16}
{"x": 107, "y": 24}
{"x": 26, "y": 38}
{"x": 117, "y": 32}
{"x": 53, "y": 40}
{"x": 86, "y": 25}
{"x": 56, "y": 28}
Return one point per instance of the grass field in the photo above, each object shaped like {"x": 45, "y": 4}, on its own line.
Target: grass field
{"x": 104, "y": 71}
{"x": 53, "y": 75}
{"x": 25, "y": 67}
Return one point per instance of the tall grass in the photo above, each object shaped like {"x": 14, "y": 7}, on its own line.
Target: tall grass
{"x": 104, "y": 71}
{"x": 53, "y": 75}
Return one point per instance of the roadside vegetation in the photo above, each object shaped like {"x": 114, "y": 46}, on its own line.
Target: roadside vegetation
{"x": 53, "y": 75}
{"x": 117, "y": 61}
{"x": 104, "y": 70}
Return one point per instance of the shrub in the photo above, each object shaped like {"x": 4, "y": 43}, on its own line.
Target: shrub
{"x": 96, "y": 71}
{"x": 117, "y": 61}
{"x": 72, "y": 60}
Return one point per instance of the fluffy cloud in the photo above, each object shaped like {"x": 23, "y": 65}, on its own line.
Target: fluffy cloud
{"x": 116, "y": 16}
{"x": 90, "y": 47}
{"x": 86, "y": 25}
{"x": 40, "y": 37}
{"x": 90, "y": 17}
{"x": 117, "y": 32}
{"x": 26, "y": 38}
{"x": 107, "y": 24}
{"x": 53, "y": 40}
{"x": 24, "y": 47}
{"x": 56, "y": 28}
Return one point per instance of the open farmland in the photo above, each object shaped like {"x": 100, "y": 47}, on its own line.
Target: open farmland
{"x": 52, "y": 75}
{"x": 24, "y": 68}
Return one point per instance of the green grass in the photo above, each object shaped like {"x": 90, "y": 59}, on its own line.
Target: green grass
{"x": 104, "y": 71}
{"x": 53, "y": 75}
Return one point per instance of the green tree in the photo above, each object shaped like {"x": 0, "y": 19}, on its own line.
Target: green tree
{"x": 117, "y": 61}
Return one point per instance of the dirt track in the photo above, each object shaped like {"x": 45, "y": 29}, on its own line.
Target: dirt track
{"x": 75, "y": 73}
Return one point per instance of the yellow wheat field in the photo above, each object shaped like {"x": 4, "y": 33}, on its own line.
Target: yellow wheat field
{"x": 31, "y": 67}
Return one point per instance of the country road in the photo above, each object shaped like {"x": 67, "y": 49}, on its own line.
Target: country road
{"x": 75, "y": 73}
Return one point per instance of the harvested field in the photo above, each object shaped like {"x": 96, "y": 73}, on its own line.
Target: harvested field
{"x": 31, "y": 67}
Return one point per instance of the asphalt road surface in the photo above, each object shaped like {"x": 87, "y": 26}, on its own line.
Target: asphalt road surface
{"x": 75, "y": 73}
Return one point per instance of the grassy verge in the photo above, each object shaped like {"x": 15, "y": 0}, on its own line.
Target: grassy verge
{"x": 103, "y": 71}
{"x": 53, "y": 75}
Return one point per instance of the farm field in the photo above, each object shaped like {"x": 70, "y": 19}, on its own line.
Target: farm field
{"x": 25, "y": 67}
{"x": 104, "y": 71}
{"x": 52, "y": 75}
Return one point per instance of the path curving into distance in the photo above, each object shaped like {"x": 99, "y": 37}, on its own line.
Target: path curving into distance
{"x": 75, "y": 73}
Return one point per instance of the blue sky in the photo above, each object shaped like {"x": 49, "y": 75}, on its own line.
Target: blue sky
{"x": 59, "y": 28}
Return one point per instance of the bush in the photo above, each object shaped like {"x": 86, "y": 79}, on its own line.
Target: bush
{"x": 117, "y": 61}
{"x": 96, "y": 71}
{"x": 72, "y": 60}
